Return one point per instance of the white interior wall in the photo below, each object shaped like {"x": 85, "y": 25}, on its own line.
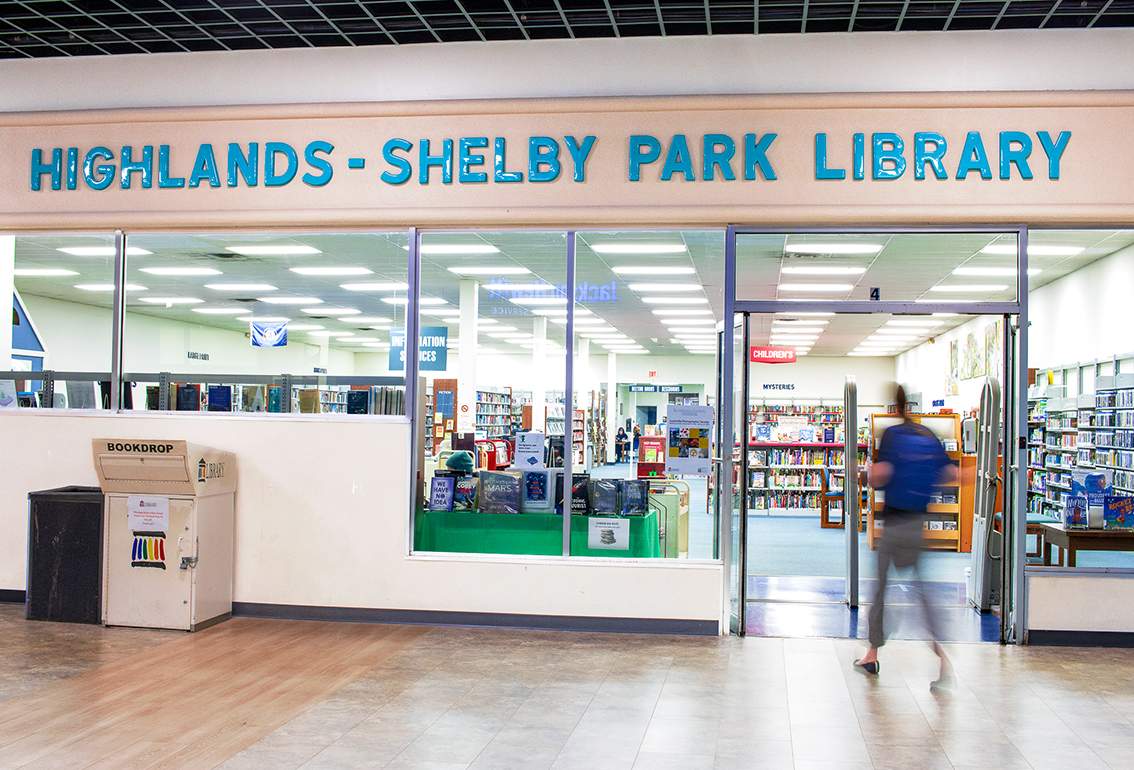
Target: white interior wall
{"x": 1004, "y": 60}
{"x": 340, "y": 542}
{"x": 925, "y": 369}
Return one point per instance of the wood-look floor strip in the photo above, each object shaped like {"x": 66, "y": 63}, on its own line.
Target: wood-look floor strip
{"x": 192, "y": 701}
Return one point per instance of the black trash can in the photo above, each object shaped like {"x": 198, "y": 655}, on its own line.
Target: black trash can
{"x": 65, "y": 555}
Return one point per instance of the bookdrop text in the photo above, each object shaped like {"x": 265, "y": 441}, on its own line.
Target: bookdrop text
{"x": 880, "y": 156}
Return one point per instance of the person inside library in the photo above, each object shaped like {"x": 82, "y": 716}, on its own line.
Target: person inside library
{"x": 621, "y": 445}
{"x": 911, "y": 465}
{"x": 637, "y": 440}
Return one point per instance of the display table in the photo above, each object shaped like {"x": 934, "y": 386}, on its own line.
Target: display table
{"x": 1072, "y": 540}
{"x": 533, "y": 534}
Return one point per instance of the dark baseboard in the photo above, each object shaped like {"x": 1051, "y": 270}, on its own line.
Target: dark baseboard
{"x": 1082, "y": 638}
{"x": 13, "y": 595}
{"x": 494, "y": 619}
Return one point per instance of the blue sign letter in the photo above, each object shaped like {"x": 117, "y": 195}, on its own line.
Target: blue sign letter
{"x": 821, "y": 169}
{"x": 925, "y": 154}
{"x": 1054, "y": 150}
{"x": 889, "y": 162}
{"x": 405, "y": 169}
{"x": 974, "y": 157}
{"x": 643, "y": 149}
{"x": 579, "y": 153}
{"x": 272, "y": 176}
{"x": 1017, "y": 155}
{"x": 756, "y": 155}
{"x": 311, "y": 155}
{"x": 470, "y": 160}
{"x": 39, "y": 168}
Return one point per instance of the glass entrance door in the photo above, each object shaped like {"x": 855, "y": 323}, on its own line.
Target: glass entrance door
{"x": 855, "y": 313}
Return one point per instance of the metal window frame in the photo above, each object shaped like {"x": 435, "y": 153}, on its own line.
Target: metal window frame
{"x": 1018, "y": 308}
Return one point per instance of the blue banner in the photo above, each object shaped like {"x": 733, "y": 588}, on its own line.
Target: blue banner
{"x": 268, "y": 334}
{"x": 433, "y": 355}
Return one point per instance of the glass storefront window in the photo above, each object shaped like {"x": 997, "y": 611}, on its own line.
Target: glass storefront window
{"x": 273, "y": 322}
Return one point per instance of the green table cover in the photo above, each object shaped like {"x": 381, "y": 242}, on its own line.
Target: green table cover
{"x": 538, "y": 534}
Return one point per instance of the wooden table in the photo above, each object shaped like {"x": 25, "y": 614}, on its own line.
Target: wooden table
{"x": 1072, "y": 540}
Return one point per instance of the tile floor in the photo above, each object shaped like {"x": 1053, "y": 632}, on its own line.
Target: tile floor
{"x": 483, "y": 698}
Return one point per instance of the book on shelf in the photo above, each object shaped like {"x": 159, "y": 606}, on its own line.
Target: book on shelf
{"x": 500, "y": 491}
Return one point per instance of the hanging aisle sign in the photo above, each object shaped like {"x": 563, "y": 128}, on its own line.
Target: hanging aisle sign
{"x": 433, "y": 354}
{"x": 771, "y": 354}
{"x": 268, "y": 334}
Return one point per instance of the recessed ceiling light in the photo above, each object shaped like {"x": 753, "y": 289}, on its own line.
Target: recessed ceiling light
{"x": 561, "y": 312}
{"x": 679, "y": 321}
{"x": 791, "y": 323}
{"x": 375, "y": 286}
{"x": 517, "y": 286}
{"x": 653, "y": 270}
{"x": 820, "y": 287}
{"x": 360, "y": 340}
{"x": 675, "y": 300}
{"x": 334, "y": 335}
{"x": 928, "y": 322}
{"x": 794, "y": 335}
{"x": 276, "y": 250}
{"x": 303, "y": 327}
{"x": 487, "y": 322}
{"x": 220, "y": 310}
{"x": 332, "y": 271}
{"x": 701, "y": 351}
{"x": 444, "y": 312}
{"x": 690, "y": 330}
{"x": 823, "y": 270}
{"x": 535, "y": 301}
{"x": 331, "y": 311}
{"x": 630, "y": 352}
{"x": 1034, "y": 250}
{"x": 638, "y": 248}
{"x": 382, "y": 345}
{"x": 901, "y": 331}
{"x": 290, "y": 300}
{"x": 490, "y": 270}
{"x": 833, "y": 248}
{"x": 181, "y": 271}
{"x": 171, "y": 300}
{"x": 422, "y": 301}
{"x": 108, "y": 287}
{"x": 265, "y": 318}
{"x": 371, "y": 319}
{"x": 869, "y": 353}
{"x": 681, "y": 311}
{"x": 455, "y": 249}
{"x": 42, "y": 272}
{"x": 591, "y": 321}
{"x": 248, "y": 287}
{"x": 976, "y": 271}
{"x": 102, "y": 251}
{"x": 961, "y": 288}
{"x": 640, "y": 287}
{"x": 375, "y": 327}
{"x": 808, "y": 313}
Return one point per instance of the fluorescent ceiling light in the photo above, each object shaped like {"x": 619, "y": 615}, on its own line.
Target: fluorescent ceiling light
{"x": 375, "y": 286}
{"x": 370, "y": 319}
{"x": 604, "y": 335}
{"x": 422, "y": 301}
{"x": 360, "y": 340}
{"x": 833, "y": 248}
{"x": 382, "y": 345}
{"x": 820, "y": 287}
{"x": 642, "y": 352}
{"x": 503, "y": 328}
{"x": 276, "y": 250}
{"x": 486, "y": 322}
{"x": 172, "y": 300}
{"x": 675, "y": 300}
{"x": 945, "y": 315}
{"x": 653, "y": 270}
{"x": 442, "y": 312}
{"x": 264, "y": 318}
{"x": 823, "y": 270}
{"x": 220, "y": 310}
{"x": 108, "y": 287}
{"x": 961, "y": 288}
{"x": 580, "y": 321}
{"x": 701, "y": 351}
{"x": 891, "y": 339}
{"x": 248, "y": 287}
{"x": 688, "y": 322}
{"x": 331, "y": 311}
{"x": 808, "y": 313}
{"x": 928, "y": 322}
{"x": 42, "y": 272}
{"x": 869, "y": 353}
{"x": 334, "y": 335}
{"x": 334, "y": 271}
{"x": 561, "y": 312}
{"x": 690, "y": 330}
{"x": 665, "y": 287}
{"x": 942, "y": 300}
{"x": 536, "y": 301}
{"x": 490, "y": 270}
{"x": 456, "y": 249}
{"x": 786, "y": 336}
{"x": 102, "y": 251}
{"x": 681, "y": 311}
{"x": 779, "y": 323}
{"x": 902, "y": 331}
{"x": 517, "y": 286}
{"x": 303, "y": 327}
{"x": 290, "y": 300}
{"x": 377, "y": 327}
{"x": 638, "y": 248}
{"x": 1034, "y": 250}
{"x": 181, "y": 271}
{"x": 509, "y": 335}
{"x": 992, "y": 272}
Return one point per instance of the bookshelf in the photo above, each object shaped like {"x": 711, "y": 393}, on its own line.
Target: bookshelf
{"x": 494, "y": 413}
{"x": 789, "y": 478}
{"x": 578, "y": 437}
{"x": 596, "y": 427}
{"x": 1114, "y": 430}
{"x": 943, "y": 523}
{"x": 789, "y": 421}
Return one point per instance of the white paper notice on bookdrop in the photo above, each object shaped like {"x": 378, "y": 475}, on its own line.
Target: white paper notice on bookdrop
{"x": 609, "y": 534}
{"x": 529, "y": 450}
{"x": 147, "y": 513}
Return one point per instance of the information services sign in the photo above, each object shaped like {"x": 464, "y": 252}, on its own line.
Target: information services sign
{"x": 433, "y": 354}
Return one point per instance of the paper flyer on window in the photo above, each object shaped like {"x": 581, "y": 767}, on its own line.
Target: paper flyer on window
{"x": 689, "y": 430}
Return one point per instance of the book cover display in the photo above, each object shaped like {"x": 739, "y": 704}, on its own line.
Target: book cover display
{"x": 275, "y": 398}
{"x": 500, "y": 491}
{"x": 536, "y": 493}
{"x": 634, "y": 494}
{"x": 188, "y": 398}
{"x": 464, "y": 494}
{"x": 605, "y": 496}
{"x": 441, "y": 490}
{"x": 219, "y": 398}
{"x": 1118, "y": 512}
{"x": 580, "y": 493}
{"x": 358, "y": 402}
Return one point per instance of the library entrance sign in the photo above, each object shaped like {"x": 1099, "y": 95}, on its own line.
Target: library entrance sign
{"x": 433, "y": 352}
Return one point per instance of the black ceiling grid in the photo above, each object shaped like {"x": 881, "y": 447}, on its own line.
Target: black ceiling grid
{"x": 43, "y": 28}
